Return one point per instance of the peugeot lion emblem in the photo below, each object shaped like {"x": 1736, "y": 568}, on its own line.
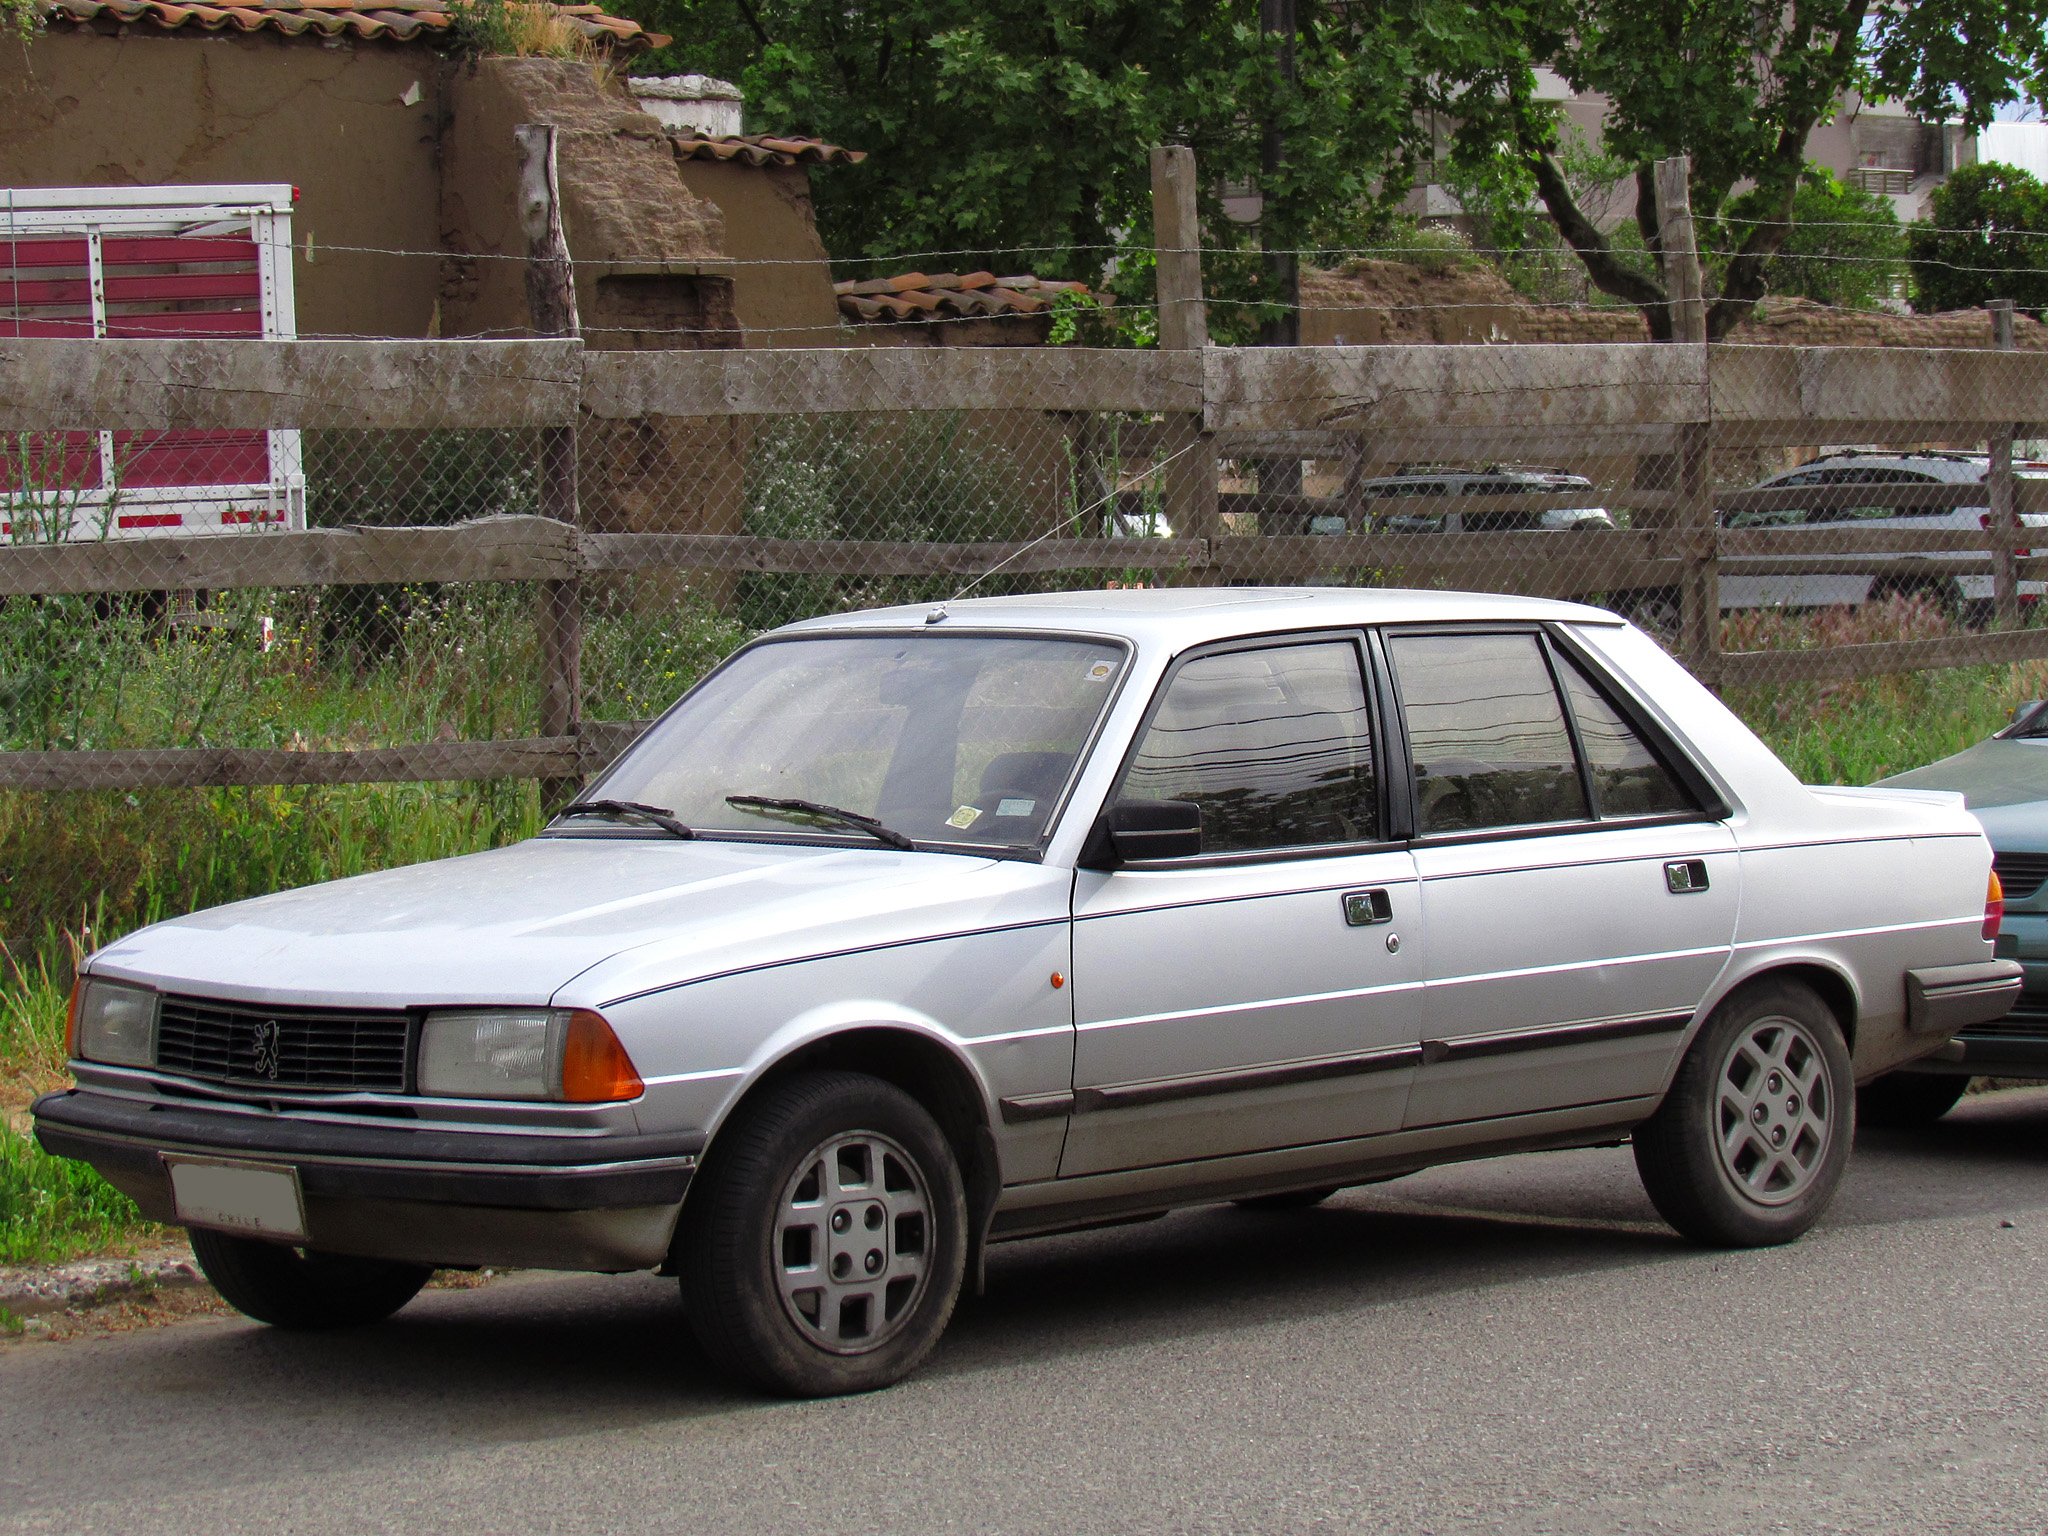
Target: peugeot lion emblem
{"x": 267, "y": 1049}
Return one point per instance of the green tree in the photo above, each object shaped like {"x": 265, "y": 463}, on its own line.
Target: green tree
{"x": 1985, "y": 237}
{"x": 1011, "y": 135}
{"x": 1846, "y": 246}
{"x": 1737, "y": 85}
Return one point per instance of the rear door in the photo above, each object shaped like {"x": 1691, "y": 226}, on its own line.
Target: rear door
{"x": 1578, "y": 898}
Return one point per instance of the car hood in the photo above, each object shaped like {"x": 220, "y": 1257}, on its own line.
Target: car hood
{"x": 1996, "y": 771}
{"x": 518, "y": 924}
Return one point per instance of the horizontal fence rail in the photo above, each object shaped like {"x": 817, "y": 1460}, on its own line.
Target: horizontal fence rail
{"x": 1346, "y": 408}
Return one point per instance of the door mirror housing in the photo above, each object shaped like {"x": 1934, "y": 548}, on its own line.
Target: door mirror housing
{"x": 1141, "y": 830}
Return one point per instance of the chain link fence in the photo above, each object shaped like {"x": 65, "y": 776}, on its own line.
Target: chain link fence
{"x": 398, "y": 594}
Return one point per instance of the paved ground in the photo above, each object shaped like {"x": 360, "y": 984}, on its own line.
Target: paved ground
{"x": 1512, "y": 1346}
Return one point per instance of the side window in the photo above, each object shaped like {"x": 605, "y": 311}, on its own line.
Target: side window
{"x": 1487, "y": 733}
{"x": 1627, "y": 778}
{"x": 1275, "y": 745}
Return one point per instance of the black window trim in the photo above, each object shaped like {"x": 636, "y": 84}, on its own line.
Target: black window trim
{"x": 1354, "y": 636}
{"x": 1711, "y": 805}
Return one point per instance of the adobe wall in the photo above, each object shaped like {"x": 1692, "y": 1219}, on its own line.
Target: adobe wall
{"x": 787, "y": 301}
{"x": 80, "y": 107}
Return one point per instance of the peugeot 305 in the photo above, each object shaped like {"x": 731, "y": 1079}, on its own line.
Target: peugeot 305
{"x": 910, "y": 931}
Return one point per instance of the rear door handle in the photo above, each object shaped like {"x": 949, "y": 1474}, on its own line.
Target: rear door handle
{"x": 1362, "y": 909}
{"x": 1684, "y": 876}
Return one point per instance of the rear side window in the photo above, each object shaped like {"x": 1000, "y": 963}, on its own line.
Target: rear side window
{"x": 1274, "y": 744}
{"x": 1493, "y": 740}
{"x": 1487, "y": 733}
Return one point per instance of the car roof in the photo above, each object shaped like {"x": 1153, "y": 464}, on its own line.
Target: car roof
{"x": 1182, "y": 616}
{"x": 1941, "y": 464}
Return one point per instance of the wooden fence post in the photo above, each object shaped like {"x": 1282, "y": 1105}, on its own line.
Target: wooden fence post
{"x": 1190, "y": 478}
{"x": 1682, "y": 282}
{"x": 1998, "y": 481}
{"x": 551, "y": 297}
{"x": 1699, "y": 594}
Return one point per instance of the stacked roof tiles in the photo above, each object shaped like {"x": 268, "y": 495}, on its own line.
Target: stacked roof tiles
{"x": 400, "y": 20}
{"x": 763, "y": 149}
{"x": 946, "y": 296}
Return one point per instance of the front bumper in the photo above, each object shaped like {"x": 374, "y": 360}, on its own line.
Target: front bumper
{"x": 384, "y": 1190}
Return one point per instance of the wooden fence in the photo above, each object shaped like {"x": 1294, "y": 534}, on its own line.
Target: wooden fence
{"x": 1364, "y": 404}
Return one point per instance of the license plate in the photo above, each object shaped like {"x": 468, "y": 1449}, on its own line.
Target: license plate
{"x": 258, "y": 1198}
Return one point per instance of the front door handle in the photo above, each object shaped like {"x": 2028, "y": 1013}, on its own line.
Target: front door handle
{"x": 1363, "y": 909}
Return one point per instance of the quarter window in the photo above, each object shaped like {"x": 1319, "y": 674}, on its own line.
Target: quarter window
{"x": 1274, "y": 744}
{"x": 1627, "y": 778}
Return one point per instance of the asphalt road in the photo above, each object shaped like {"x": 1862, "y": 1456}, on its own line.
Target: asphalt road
{"x": 1512, "y": 1346}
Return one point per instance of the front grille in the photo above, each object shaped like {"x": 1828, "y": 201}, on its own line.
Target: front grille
{"x": 331, "y": 1048}
{"x": 2021, "y": 874}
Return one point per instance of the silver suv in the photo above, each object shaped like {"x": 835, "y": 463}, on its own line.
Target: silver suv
{"x": 1835, "y": 478}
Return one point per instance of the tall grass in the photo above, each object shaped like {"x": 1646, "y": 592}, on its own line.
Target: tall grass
{"x": 1859, "y": 731}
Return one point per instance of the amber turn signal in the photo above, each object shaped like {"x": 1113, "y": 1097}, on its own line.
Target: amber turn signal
{"x": 71, "y": 1022}
{"x": 1994, "y": 906}
{"x": 595, "y": 1067}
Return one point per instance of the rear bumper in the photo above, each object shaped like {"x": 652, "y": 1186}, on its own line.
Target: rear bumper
{"x": 385, "y": 1191}
{"x": 1943, "y": 999}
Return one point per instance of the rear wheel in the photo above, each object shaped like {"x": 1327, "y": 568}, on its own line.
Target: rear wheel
{"x": 822, "y": 1247}
{"x": 1903, "y": 1100}
{"x": 1751, "y": 1142}
{"x": 304, "y": 1288}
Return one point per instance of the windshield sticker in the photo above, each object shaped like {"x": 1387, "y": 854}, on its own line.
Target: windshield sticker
{"x": 1015, "y": 807}
{"x": 1101, "y": 671}
{"x": 965, "y": 817}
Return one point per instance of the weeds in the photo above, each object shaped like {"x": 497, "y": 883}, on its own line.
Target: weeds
{"x": 52, "y": 1209}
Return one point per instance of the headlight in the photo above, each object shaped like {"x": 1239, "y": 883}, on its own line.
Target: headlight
{"x": 524, "y": 1053}
{"x": 113, "y": 1023}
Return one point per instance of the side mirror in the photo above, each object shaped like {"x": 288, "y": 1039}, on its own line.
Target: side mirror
{"x": 2024, "y": 719}
{"x": 1137, "y": 830}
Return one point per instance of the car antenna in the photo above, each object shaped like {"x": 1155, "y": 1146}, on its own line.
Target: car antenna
{"x": 938, "y": 613}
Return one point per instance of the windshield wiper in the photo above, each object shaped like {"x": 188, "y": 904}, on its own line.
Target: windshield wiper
{"x": 619, "y": 810}
{"x": 853, "y": 819}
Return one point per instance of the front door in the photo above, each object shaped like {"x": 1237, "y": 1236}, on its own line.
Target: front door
{"x": 1262, "y": 993}
{"x": 1577, "y": 899}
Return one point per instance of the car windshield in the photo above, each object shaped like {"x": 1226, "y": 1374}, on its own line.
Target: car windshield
{"x": 942, "y": 738}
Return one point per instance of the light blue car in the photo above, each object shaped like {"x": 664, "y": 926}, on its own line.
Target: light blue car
{"x": 2004, "y": 781}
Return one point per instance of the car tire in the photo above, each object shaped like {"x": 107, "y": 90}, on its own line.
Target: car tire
{"x": 304, "y": 1289}
{"x": 823, "y": 1243}
{"x": 1753, "y": 1137}
{"x": 1292, "y": 1200}
{"x": 1906, "y": 1100}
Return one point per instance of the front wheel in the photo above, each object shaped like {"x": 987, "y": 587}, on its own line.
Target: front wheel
{"x": 291, "y": 1288}
{"x": 822, "y": 1247}
{"x": 1751, "y": 1142}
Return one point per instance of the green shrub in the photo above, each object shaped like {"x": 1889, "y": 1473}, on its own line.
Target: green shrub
{"x": 1985, "y": 237}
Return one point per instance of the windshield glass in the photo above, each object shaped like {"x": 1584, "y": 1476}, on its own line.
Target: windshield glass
{"x": 943, "y": 738}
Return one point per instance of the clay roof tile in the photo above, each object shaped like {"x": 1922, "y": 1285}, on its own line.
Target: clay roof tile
{"x": 400, "y": 19}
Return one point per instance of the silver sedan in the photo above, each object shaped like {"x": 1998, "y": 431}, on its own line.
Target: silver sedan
{"x": 909, "y": 931}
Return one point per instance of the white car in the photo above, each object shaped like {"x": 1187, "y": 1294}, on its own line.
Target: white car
{"x": 1464, "y": 496}
{"x": 1834, "y": 480}
{"x": 909, "y": 931}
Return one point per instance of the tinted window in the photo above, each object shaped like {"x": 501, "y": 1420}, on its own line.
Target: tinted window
{"x": 1486, "y": 731}
{"x": 1274, "y": 745}
{"x": 1627, "y": 778}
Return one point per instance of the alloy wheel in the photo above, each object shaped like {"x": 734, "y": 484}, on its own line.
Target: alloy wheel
{"x": 1775, "y": 1104}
